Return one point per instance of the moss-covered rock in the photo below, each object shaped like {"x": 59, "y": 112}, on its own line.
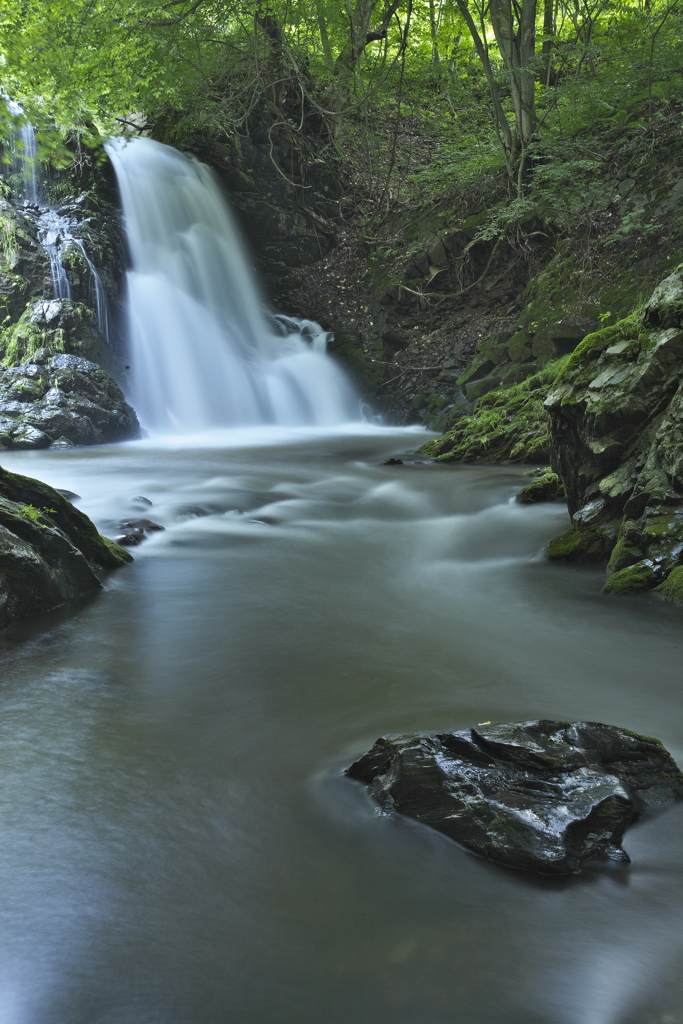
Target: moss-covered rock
{"x": 57, "y": 326}
{"x": 582, "y": 544}
{"x": 545, "y": 486}
{"x": 50, "y": 552}
{"x": 623, "y": 555}
{"x": 444, "y": 415}
{"x": 99, "y": 551}
{"x": 616, "y": 414}
{"x": 62, "y": 399}
{"x": 506, "y": 425}
{"x": 632, "y": 580}
{"x": 24, "y": 266}
{"x": 672, "y": 587}
{"x": 665, "y": 308}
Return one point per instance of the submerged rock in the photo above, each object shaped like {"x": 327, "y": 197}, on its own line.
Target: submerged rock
{"x": 50, "y": 552}
{"x": 137, "y": 530}
{"x": 67, "y": 400}
{"x": 540, "y": 796}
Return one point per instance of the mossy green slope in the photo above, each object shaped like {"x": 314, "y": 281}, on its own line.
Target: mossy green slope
{"x": 508, "y": 425}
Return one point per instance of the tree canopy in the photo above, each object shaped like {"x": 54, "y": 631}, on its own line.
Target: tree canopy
{"x": 506, "y": 70}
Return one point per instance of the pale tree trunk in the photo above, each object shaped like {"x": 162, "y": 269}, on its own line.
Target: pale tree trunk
{"x": 324, "y": 37}
{"x": 515, "y": 31}
{"x": 479, "y": 39}
{"x": 434, "y": 31}
{"x": 361, "y": 32}
{"x": 548, "y": 43}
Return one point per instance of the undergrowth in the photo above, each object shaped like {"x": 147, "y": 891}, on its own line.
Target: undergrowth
{"x": 509, "y": 425}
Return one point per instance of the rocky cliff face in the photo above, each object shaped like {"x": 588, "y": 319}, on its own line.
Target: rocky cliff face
{"x": 50, "y": 396}
{"x": 616, "y": 421}
{"x": 609, "y": 417}
{"x": 284, "y": 187}
{"x": 60, "y": 401}
{"x": 57, "y": 354}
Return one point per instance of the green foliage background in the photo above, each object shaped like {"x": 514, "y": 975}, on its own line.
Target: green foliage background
{"x": 409, "y": 112}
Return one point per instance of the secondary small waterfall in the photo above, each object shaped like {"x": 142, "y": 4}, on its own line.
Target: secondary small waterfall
{"x": 57, "y": 230}
{"x": 203, "y": 351}
{"x": 25, "y": 153}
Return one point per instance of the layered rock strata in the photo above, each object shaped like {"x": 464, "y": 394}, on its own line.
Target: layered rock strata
{"x": 616, "y": 426}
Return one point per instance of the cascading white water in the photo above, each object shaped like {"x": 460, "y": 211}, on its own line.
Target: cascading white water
{"x": 203, "y": 352}
{"x": 25, "y": 153}
{"x": 55, "y": 229}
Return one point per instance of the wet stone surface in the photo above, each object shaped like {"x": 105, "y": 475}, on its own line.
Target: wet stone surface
{"x": 538, "y": 796}
{"x": 61, "y": 401}
{"x": 136, "y": 530}
{"x": 50, "y": 552}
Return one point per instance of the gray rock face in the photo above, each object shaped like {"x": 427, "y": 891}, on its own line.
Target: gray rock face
{"x": 539, "y": 796}
{"x": 62, "y": 400}
{"x": 58, "y": 326}
{"x": 24, "y": 267}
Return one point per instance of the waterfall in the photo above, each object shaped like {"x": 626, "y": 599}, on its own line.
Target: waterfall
{"x": 24, "y": 153}
{"x": 203, "y": 351}
{"x": 56, "y": 231}
{"x": 54, "y": 236}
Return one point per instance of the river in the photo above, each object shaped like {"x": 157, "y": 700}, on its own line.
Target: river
{"x": 177, "y": 843}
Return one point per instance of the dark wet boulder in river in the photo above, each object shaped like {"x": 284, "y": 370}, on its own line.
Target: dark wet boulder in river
{"x": 50, "y": 552}
{"x": 539, "y": 796}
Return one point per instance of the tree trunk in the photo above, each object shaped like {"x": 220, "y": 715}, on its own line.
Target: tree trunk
{"x": 434, "y": 31}
{"x": 278, "y": 71}
{"x": 324, "y": 37}
{"x": 502, "y": 123}
{"x": 548, "y": 43}
{"x": 515, "y": 32}
{"x": 360, "y": 34}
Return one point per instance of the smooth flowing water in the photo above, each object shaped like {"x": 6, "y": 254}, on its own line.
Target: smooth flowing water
{"x": 177, "y": 843}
